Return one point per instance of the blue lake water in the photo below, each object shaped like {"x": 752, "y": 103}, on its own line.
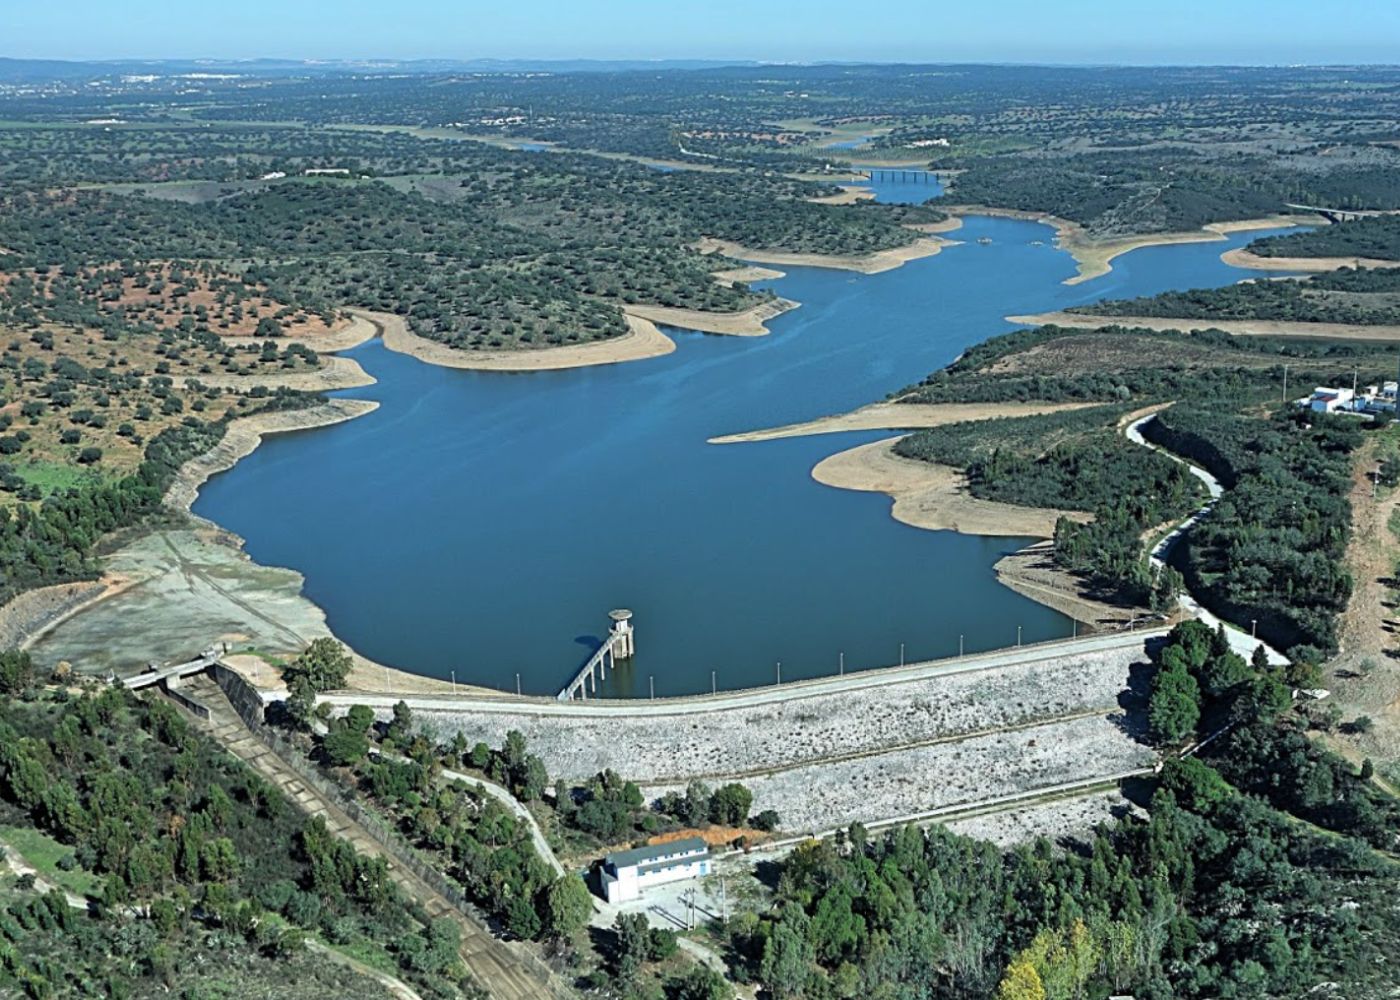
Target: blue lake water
{"x": 484, "y": 523}
{"x": 896, "y": 185}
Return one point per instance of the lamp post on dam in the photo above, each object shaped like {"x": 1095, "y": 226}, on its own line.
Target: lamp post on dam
{"x": 621, "y": 644}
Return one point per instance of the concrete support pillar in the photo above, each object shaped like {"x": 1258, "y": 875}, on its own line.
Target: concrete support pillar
{"x": 622, "y": 641}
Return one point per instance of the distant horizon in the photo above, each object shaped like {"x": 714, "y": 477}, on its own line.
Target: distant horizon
{"x": 667, "y": 61}
{"x": 1008, "y": 32}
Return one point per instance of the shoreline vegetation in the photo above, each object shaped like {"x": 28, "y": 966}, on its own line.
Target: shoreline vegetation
{"x": 1237, "y": 327}
{"x": 932, "y": 496}
{"x": 1094, "y": 258}
{"x": 896, "y": 416}
{"x": 873, "y": 263}
{"x": 1244, "y": 257}
{"x": 642, "y": 340}
{"x": 244, "y": 435}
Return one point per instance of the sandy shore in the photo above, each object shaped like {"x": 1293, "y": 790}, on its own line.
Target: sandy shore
{"x": 875, "y": 263}
{"x": 1239, "y": 327}
{"x": 1243, "y": 258}
{"x": 1032, "y": 572}
{"x": 246, "y": 433}
{"x": 746, "y": 275}
{"x": 1095, "y": 257}
{"x": 747, "y": 323}
{"x": 948, "y": 225}
{"x": 848, "y": 195}
{"x": 642, "y": 340}
{"x": 351, "y": 333}
{"x": 898, "y": 416}
{"x": 932, "y": 496}
{"x": 334, "y": 373}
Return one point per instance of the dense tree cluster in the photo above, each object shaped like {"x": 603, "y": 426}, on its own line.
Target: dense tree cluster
{"x": 1069, "y": 460}
{"x": 169, "y": 821}
{"x": 1358, "y": 296}
{"x": 1216, "y": 894}
{"x": 1272, "y": 548}
{"x": 1377, "y": 238}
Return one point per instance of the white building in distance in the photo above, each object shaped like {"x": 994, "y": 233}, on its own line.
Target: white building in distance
{"x": 1325, "y": 399}
{"x": 626, "y": 874}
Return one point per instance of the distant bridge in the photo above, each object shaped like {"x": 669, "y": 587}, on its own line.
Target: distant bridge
{"x": 1337, "y": 214}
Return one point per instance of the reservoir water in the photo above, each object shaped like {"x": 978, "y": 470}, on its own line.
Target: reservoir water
{"x": 483, "y": 524}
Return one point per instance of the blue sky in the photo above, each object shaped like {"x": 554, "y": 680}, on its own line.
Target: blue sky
{"x": 1075, "y": 31}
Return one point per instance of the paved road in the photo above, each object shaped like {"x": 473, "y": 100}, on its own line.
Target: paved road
{"x": 492, "y": 962}
{"x": 748, "y": 698}
{"x": 503, "y": 796}
{"x": 1240, "y": 642}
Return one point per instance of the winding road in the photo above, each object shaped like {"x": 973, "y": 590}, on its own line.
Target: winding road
{"x": 1240, "y": 642}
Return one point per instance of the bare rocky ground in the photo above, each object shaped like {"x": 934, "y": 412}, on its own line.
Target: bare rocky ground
{"x": 1066, "y": 821}
{"x": 654, "y": 748}
{"x": 818, "y": 796}
{"x": 186, "y": 585}
{"x": 1364, "y": 677}
{"x": 186, "y": 588}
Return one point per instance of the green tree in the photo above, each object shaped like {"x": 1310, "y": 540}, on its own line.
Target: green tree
{"x": 633, "y": 944}
{"x": 322, "y": 666}
{"x": 16, "y": 671}
{"x": 360, "y": 718}
{"x": 345, "y": 746}
{"x": 1175, "y": 705}
{"x": 787, "y": 959}
{"x": 700, "y": 983}
{"x": 568, "y": 905}
{"x": 729, "y": 805}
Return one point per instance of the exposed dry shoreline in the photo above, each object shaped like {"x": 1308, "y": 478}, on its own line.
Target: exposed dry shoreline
{"x": 357, "y": 331}
{"x": 246, "y": 433}
{"x": 746, "y": 275}
{"x": 642, "y": 340}
{"x": 932, "y": 496}
{"x": 334, "y": 373}
{"x": 848, "y": 195}
{"x": 750, "y": 322}
{"x": 897, "y": 416}
{"x": 1095, "y": 257}
{"x": 875, "y": 263}
{"x": 1241, "y": 257}
{"x": 1031, "y": 572}
{"x": 1239, "y": 327}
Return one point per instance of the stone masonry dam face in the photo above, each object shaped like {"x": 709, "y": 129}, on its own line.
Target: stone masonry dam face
{"x": 1003, "y": 724}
